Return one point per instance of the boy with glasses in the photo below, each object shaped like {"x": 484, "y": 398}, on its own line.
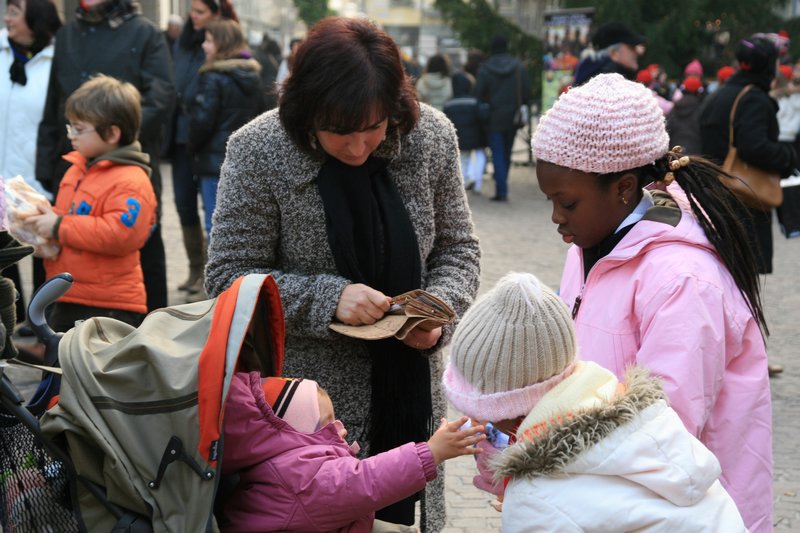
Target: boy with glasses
{"x": 105, "y": 207}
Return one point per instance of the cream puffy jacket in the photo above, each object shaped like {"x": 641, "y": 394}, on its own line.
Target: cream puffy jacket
{"x": 621, "y": 462}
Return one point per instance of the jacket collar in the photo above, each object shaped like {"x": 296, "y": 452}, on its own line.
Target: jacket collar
{"x": 46, "y": 52}
{"x": 124, "y": 155}
{"x": 669, "y": 220}
{"x": 548, "y": 447}
{"x": 225, "y": 65}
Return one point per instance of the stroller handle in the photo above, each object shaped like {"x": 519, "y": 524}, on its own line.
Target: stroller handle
{"x": 50, "y": 291}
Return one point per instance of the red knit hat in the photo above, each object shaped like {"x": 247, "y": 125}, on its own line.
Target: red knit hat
{"x": 692, "y": 84}
{"x": 296, "y": 401}
{"x": 644, "y": 76}
{"x": 725, "y": 72}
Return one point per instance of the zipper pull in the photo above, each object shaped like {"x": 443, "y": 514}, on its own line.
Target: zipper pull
{"x": 576, "y": 306}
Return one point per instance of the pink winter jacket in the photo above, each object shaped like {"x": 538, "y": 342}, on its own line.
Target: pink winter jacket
{"x": 663, "y": 299}
{"x": 292, "y": 481}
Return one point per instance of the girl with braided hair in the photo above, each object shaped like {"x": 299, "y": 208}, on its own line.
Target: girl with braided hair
{"x": 661, "y": 273}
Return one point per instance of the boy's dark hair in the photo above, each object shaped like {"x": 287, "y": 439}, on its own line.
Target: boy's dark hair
{"x": 103, "y": 101}
{"x": 345, "y": 70}
{"x": 228, "y": 38}
{"x": 41, "y": 17}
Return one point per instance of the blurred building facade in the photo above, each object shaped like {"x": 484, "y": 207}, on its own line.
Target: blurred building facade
{"x": 415, "y": 24}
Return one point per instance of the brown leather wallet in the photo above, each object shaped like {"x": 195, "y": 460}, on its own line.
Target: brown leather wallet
{"x": 416, "y": 308}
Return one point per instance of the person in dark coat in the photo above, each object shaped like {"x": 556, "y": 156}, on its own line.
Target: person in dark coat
{"x": 189, "y": 57}
{"x": 469, "y": 116}
{"x": 755, "y": 131}
{"x": 683, "y": 122}
{"x": 502, "y": 82}
{"x": 615, "y": 48}
{"x": 111, "y": 37}
{"x": 228, "y": 96}
{"x": 755, "y": 135}
{"x": 268, "y": 55}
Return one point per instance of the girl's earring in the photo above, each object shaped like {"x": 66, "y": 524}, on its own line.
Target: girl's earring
{"x": 313, "y": 141}
{"x": 623, "y": 199}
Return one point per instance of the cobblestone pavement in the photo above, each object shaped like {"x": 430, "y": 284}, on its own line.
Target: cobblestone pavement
{"x": 518, "y": 236}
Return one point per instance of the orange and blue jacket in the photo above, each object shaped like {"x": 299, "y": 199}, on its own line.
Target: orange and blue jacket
{"x": 108, "y": 209}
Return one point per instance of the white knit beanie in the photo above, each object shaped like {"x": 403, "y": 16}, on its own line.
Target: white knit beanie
{"x": 513, "y": 345}
{"x": 609, "y": 124}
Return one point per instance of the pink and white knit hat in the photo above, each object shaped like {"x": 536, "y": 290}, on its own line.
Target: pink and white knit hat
{"x": 607, "y": 125}
{"x": 511, "y": 348}
{"x": 294, "y": 400}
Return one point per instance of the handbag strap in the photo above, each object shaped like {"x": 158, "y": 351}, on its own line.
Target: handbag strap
{"x": 739, "y": 96}
{"x": 519, "y": 85}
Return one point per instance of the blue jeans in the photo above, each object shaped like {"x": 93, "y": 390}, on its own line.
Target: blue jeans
{"x": 185, "y": 187}
{"x": 500, "y": 143}
{"x": 208, "y": 188}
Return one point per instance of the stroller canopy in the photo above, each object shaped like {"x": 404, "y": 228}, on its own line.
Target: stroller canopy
{"x": 142, "y": 409}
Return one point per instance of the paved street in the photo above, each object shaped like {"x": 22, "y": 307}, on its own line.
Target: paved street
{"x": 519, "y": 236}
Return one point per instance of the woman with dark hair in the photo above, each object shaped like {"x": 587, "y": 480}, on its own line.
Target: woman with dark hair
{"x": 434, "y": 86}
{"x": 188, "y": 57}
{"x": 659, "y": 274}
{"x": 348, "y": 194}
{"x": 26, "y": 55}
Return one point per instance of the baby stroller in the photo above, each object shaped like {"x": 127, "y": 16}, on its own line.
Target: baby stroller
{"x": 129, "y": 436}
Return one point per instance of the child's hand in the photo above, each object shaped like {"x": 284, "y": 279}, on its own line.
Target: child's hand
{"x": 42, "y": 224}
{"x": 449, "y": 441}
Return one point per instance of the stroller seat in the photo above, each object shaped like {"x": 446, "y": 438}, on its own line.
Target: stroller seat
{"x": 137, "y": 426}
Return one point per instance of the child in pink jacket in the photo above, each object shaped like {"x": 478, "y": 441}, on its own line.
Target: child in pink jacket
{"x": 296, "y": 471}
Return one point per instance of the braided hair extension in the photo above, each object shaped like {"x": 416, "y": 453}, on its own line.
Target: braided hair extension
{"x": 714, "y": 206}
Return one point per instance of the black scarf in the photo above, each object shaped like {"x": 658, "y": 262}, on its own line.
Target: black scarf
{"x": 373, "y": 242}
{"x": 22, "y": 54}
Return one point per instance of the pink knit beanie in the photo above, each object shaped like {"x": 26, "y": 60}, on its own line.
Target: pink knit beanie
{"x": 511, "y": 348}
{"x": 609, "y": 124}
{"x": 694, "y": 68}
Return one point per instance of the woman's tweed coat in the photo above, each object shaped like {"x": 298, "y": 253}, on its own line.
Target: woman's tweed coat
{"x": 270, "y": 218}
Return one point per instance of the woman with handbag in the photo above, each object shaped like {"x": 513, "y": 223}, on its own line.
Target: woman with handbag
{"x": 755, "y": 135}
{"x": 657, "y": 275}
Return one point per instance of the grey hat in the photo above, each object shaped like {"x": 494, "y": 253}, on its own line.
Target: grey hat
{"x": 512, "y": 346}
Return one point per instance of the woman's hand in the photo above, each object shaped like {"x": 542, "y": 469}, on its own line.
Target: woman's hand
{"x": 421, "y": 339}
{"x": 360, "y": 304}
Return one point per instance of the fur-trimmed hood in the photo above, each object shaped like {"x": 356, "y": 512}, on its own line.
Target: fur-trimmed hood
{"x": 228, "y": 65}
{"x": 562, "y": 441}
{"x": 636, "y": 436}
